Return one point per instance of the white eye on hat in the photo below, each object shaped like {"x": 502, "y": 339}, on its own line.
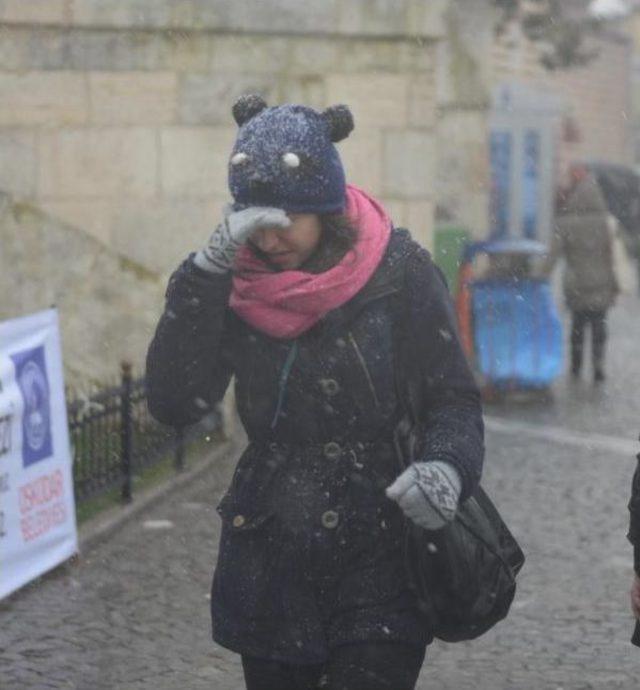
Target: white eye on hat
{"x": 239, "y": 159}
{"x": 291, "y": 160}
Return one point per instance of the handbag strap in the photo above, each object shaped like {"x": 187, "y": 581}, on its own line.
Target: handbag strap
{"x": 408, "y": 381}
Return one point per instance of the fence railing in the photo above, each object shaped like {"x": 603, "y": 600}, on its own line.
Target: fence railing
{"x": 113, "y": 437}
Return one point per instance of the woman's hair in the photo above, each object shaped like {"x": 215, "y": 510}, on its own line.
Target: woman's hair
{"x": 338, "y": 236}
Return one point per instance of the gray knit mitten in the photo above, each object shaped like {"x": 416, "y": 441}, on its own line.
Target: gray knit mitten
{"x": 428, "y": 493}
{"x": 236, "y": 228}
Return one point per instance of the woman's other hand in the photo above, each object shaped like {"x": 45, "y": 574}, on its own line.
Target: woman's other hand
{"x": 428, "y": 493}
{"x": 236, "y": 228}
{"x": 635, "y": 596}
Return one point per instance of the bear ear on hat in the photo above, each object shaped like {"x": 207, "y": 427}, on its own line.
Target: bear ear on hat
{"x": 246, "y": 107}
{"x": 339, "y": 120}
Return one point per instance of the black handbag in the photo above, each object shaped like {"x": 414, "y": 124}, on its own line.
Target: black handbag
{"x": 463, "y": 575}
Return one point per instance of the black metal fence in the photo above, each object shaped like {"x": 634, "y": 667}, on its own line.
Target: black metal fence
{"x": 113, "y": 437}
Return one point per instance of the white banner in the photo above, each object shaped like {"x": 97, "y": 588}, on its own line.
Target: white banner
{"x": 37, "y": 510}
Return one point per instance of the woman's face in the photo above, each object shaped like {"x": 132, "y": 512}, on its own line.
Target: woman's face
{"x": 288, "y": 248}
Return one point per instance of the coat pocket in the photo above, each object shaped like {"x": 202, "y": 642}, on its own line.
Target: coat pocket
{"x": 248, "y": 502}
{"x": 240, "y": 515}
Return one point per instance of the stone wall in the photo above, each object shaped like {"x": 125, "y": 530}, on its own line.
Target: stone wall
{"x": 115, "y": 114}
{"x": 463, "y": 99}
{"x": 115, "y": 129}
{"x": 108, "y": 305}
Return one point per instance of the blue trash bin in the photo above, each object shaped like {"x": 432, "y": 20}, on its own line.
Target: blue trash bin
{"x": 517, "y": 331}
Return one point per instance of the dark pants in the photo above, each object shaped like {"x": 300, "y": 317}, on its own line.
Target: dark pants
{"x": 597, "y": 321}
{"x": 362, "y": 666}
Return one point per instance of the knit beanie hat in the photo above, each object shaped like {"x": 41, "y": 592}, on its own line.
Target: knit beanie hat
{"x": 284, "y": 156}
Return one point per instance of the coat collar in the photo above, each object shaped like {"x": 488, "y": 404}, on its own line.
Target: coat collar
{"x": 387, "y": 280}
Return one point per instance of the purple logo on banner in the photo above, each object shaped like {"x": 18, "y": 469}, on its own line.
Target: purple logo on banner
{"x": 31, "y": 375}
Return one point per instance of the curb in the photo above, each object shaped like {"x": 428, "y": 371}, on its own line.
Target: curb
{"x": 100, "y": 528}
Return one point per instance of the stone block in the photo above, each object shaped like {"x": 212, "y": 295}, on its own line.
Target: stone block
{"x": 185, "y": 51}
{"x": 28, "y": 48}
{"x": 43, "y": 98}
{"x": 207, "y": 99}
{"x": 45, "y": 49}
{"x": 309, "y": 90}
{"x": 160, "y": 236}
{"x": 201, "y": 14}
{"x": 409, "y": 164}
{"x": 114, "y": 50}
{"x": 422, "y": 101}
{"x": 377, "y": 17}
{"x": 369, "y": 56}
{"x": 379, "y": 100}
{"x": 311, "y": 55}
{"x": 34, "y": 11}
{"x": 249, "y": 54}
{"x": 427, "y": 19}
{"x": 92, "y": 217}
{"x": 148, "y": 98}
{"x": 194, "y": 160}
{"x": 122, "y": 13}
{"x": 387, "y": 55}
{"x": 18, "y": 163}
{"x": 13, "y": 53}
{"x": 98, "y": 163}
{"x": 464, "y": 125}
{"x": 362, "y": 154}
{"x": 416, "y": 55}
{"x": 420, "y": 221}
{"x": 287, "y": 16}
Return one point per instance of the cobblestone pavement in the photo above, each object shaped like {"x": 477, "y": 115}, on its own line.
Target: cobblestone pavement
{"x": 133, "y": 613}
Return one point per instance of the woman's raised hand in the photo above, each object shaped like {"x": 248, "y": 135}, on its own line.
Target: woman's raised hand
{"x": 428, "y": 493}
{"x": 236, "y": 228}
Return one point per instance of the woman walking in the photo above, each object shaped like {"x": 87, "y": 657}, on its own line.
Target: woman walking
{"x": 583, "y": 238}
{"x": 299, "y": 294}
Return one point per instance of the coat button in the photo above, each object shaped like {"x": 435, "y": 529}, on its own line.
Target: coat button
{"x": 332, "y": 450}
{"x": 329, "y": 387}
{"x": 330, "y": 519}
{"x": 238, "y": 521}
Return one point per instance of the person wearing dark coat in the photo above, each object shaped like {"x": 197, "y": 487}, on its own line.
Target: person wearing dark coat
{"x": 583, "y": 237}
{"x": 634, "y": 537}
{"x": 299, "y": 296}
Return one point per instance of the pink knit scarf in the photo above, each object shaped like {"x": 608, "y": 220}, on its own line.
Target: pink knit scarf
{"x": 286, "y": 304}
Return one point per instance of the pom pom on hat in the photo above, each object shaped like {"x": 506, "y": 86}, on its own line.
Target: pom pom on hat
{"x": 340, "y": 121}
{"x": 247, "y": 107}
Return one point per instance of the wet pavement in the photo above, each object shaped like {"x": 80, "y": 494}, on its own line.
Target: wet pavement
{"x": 612, "y": 408}
{"x": 133, "y": 613}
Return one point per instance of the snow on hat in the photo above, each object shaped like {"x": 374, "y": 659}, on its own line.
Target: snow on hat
{"x": 284, "y": 156}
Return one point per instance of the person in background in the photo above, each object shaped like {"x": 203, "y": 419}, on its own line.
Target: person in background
{"x": 582, "y": 237}
{"x": 634, "y": 537}
{"x": 296, "y": 295}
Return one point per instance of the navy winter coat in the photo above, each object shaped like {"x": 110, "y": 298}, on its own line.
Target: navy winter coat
{"x": 310, "y": 553}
